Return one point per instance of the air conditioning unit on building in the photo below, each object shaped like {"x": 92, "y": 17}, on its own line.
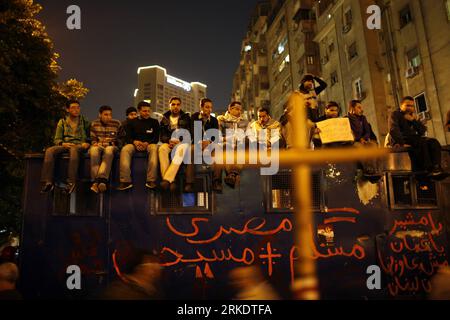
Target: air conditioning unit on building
{"x": 411, "y": 72}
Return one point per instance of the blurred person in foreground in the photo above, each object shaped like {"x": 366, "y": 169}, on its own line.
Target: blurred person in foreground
{"x": 440, "y": 285}
{"x": 139, "y": 274}
{"x": 251, "y": 284}
{"x": 9, "y": 274}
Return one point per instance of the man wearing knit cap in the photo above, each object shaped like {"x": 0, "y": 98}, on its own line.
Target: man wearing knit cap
{"x": 131, "y": 114}
{"x": 309, "y": 92}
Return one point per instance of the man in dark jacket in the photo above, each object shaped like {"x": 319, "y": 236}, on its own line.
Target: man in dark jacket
{"x": 142, "y": 135}
{"x": 207, "y": 122}
{"x": 132, "y": 114}
{"x": 407, "y": 131}
{"x": 361, "y": 128}
{"x": 173, "y": 122}
{"x": 364, "y": 137}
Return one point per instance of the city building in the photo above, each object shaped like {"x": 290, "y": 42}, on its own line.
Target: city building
{"x": 251, "y": 80}
{"x": 351, "y": 59}
{"x": 157, "y": 86}
{"x": 277, "y": 50}
{"x": 292, "y": 51}
{"x": 416, "y": 49}
{"x": 409, "y": 55}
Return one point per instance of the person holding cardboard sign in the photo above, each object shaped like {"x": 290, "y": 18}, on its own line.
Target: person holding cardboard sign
{"x": 331, "y": 130}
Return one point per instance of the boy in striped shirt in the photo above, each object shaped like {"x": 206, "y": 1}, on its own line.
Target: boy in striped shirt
{"x": 105, "y": 141}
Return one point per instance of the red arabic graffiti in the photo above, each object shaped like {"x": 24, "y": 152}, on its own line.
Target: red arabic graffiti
{"x": 253, "y": 227}
{"x": 268, "y": 255}
{"x": 416, "y": 255}
{"x": 426, "y": 221}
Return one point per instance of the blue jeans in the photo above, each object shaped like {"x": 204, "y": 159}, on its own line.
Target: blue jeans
{"x": 49, "y": 162}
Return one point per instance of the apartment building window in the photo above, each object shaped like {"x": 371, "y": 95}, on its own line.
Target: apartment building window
{"x": 282, "y": 45}
{"x": 352, "y": 51}
{"x": 348, "y": 16}
{"x": 447, "y": 5}
{"x": 421, "y": 103}
{"x": 323, "y": 6}
{"x": 334, "y": 78}
{"x": 310, "y": 60}
{"x": 284, "y": 64}
{"x": 287, "y": 85}
{"x": 331, "y": 47}
{"x": 348, "y": 20}
{"x": 414, "y": 60}
{"x": 304, "y": 14}
{"x": 405, "y": 16}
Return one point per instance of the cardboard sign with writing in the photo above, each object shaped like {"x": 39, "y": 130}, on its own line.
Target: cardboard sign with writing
{"x": 335, "y": 130}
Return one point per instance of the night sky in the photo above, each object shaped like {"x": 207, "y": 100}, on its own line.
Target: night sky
{"x": 195, "y": 40}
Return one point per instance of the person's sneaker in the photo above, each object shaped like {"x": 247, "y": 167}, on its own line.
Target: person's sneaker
{"x": 150, "y": 185}
{"x": 189, "y": 188}
{"x": 70, "y": 188}
{"x": 48, "y": 187}
{"x": 165, "y": 185}
{"x": 125, "y": 186}
{"x": 217, "y": 186}
{"x": 102, "y": 187}
{"x": 173, "y": 187}
{"x": 94, "y": 187}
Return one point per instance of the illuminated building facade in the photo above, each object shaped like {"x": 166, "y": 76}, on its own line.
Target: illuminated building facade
{"x": 157, "y": 86}
{"x": 276, "y": 52}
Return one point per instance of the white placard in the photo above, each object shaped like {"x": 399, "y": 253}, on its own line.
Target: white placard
{"x": 335, "y": 130}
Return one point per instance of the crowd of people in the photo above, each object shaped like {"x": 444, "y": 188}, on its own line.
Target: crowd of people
{"x": 140, "y": 132}
{"x": 105, "y": 137}
{"x": 406, "y": 131}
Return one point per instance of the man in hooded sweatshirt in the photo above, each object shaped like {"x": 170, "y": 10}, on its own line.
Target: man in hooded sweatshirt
{"x": 265, "y": 128}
